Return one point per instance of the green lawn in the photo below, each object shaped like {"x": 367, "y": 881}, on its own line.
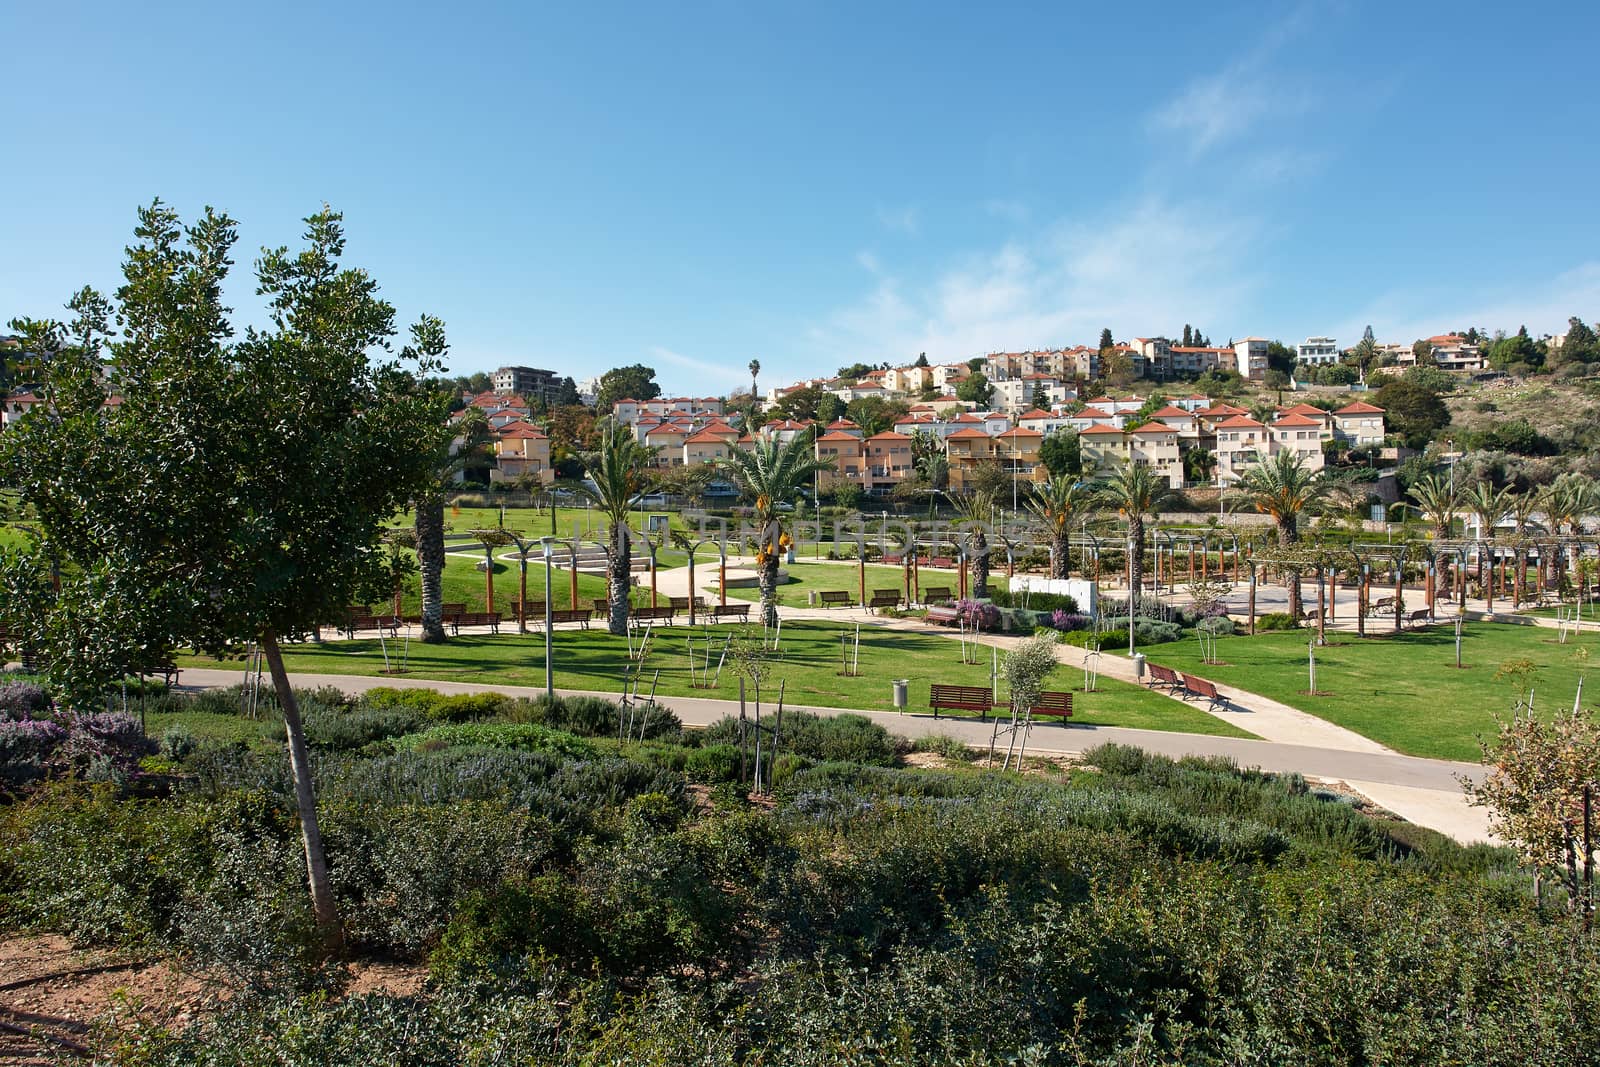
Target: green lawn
{"x": 806, "y": 576}
{"x": 1401, "y": 690}
{"x": 594, "y": 660}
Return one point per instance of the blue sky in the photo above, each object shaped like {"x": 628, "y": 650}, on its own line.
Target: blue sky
{"x": 694, "y": 185}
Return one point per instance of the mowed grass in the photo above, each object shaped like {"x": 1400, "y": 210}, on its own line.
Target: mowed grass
{"x": 806, "y": 577}
{"x": 810, "y": 667}
{"x": 1401, "y": 690}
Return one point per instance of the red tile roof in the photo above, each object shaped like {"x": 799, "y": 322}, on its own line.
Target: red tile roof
{"x": 1298, "y": 420}
{"x": 968, "y": 434}
{"x": 1092, "y": 413}
{"x": 838, "y": 435}
{"x": 1359, "y": 407}
{"x": 888, "y": 435}
{"x": 1153, "y": 427}
{"x": 1102, "y": 427}
{"x": 1239, "y": 422}
{"x": 1172, "y": 411}
{"x": 1036, "y": 413}
{"x": 1021, "y": 431}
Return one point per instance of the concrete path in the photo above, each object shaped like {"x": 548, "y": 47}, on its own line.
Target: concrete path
{"x": 1426, "y": 792}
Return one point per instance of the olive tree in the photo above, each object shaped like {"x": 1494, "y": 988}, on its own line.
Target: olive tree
{"x": 233, "y": 488}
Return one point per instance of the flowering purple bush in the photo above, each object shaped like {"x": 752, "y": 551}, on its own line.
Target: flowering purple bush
{"x": 979, "y": 614}
{"x": 108, "y": 735}
{"x": 1068, "y": 621}
{"x": 25, "y": 741}
{"x": 23, "y": 700}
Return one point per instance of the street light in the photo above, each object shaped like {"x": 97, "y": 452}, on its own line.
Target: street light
{"x": 549, "y": 663}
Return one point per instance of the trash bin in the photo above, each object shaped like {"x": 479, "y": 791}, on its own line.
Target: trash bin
{"x": 1138, "y": 666}
{"x": 901, "y": 685}
{"x": 811, "y": 598}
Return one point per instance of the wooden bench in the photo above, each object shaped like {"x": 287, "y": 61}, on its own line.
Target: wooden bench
{"x": 960, "y": 698}
{"x": 382, "y": 623}
{"x": 884, "y": 598}
{"x": 1204, "y": 690}
{"x": 1052, "y": 706}
{"x": 1163, "y": 678}
{"x": 1380, "y": 606}
{"x": 662, "y": 615}
{"x": 532, "y": 611}
{"x": 167, "y": 671}
{"x": 602, "y": 605}
{"x": 567, "y": 615}
{"x": 942, "y": 615}
{"x": 942, "y": 563}
{"x": 830, "y": 597}
{"x": 491, "y": 619}
{"x": 741, "y": 612}
{"x": 1419, "y": 618}
{"x": 935, "y": 593}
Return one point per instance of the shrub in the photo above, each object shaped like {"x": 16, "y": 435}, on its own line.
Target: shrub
{"x": 177, "y": 742}
{"x": 1046, "y": 602}
{"x": 1276, "y": 620}
{"x": 351, "y": 730}
{"x": 1217, "y": 626}
{"x": 978, "y": 614}
{"x": 519, "y": 736}
{"x": 824, "y": 738}
{"x": 712, "y": 763}
{"x": 1068, "y": 621}
{"x": 23, "y": 700}
{"x": 950, "y": 748}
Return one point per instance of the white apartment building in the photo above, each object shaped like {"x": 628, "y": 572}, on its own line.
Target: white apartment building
{"x": 1317, "y": 351}
{"x": 1250, "y": 357}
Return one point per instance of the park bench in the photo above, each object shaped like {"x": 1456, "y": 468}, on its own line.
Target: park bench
{"x": 1052, "y": 706}
{"x": 884, "y": 598}
{"x": 942, "y": 563}
{"x": 1163, "y": 678}
{"x": 602, "y": 605}
{"x": 942, "y": 615}
{"x": 893, "y": 557}
{"x": 662, "y": 615}
{"x": 830, "y": 597}
{"x": 167, "y": 671}
{"x": 491, "y": 619}
{"x": 960, "y": 698}
{"x": 566, "y": 615}
{"x": 382, "y": 623}
{"x": 1380, "y": 606}
{"x": 740, "y": 612}
{"x": 1204, "y": 690}
{"x": 1418, "y": 618}
{"x": 532, "y": 611}
{"x": 1310, "y": 614}
{"x": 935, "y": 593}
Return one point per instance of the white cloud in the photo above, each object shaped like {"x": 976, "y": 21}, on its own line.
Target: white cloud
{"x": 869, "y": 262}
{"x": 1010, "y": 210}
{"x": 1218, "y": 108}
{"x": 906, "y": 219}
{"x": 715, "y": 376}
{"x": 1146, "y": 269}
{"x": 1543, "y": 306}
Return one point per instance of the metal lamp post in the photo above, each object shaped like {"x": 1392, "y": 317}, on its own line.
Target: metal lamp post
{"x": 549, "y": 662}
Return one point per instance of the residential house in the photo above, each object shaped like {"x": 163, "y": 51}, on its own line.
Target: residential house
{"x": 521, "y": 449}
{"x": 667, "y": 438}
{"x": 847, "y": 451}
{"x": 1242, "y": 442}
{"x": 1156, "y": 445}
{"x": 1092, "y": 416}
{"x": 1301, "y": 435}
{"x": 1191, "y": 361}
{"x": 888, "y": 460}
{"x": 966, "y": 450}
{"x": 1317, "y": 351}
{"x": 1359, "y": 423}
{"x": 1250, "y": 357}
{"x": 1103, "y": 449}
{"x": 1186, "y": 424}
{"x": 1018, "y": 451}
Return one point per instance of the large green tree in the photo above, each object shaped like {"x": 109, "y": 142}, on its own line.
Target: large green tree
{"x": 238, "y": 492}
{"x": 634, "y": 382}
{"x": 1436, "y": 497}
{"x": 975, "y": 389}
{"x": 772, "y": 474}
{"x": 1285, "y": 489}
{"x": 620, "y": 470}
{"x": 466, "y": 446}
{"x": 1059, "y": 504}
{"x": 1060, "y": 453}
{"x": 1412, "y": 409}
{"x": 1136, "y": 493}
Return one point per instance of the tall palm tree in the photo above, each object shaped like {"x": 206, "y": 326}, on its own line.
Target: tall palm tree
{"x": 1135, "y": 492}
{"x": 976, "y": 510}
{"x": 1058, "y": 504}
{"x": 1567, "y": 500}
{"x": 1283, "y": 488}
{"x": 1438, "y": 500}
{"x": 1489, "y": 505}
{"x": 773, "y": 473}
{"x": 755, "y": 369}
{"x": 467, "y": 447}
{"x": 620, "y": 471}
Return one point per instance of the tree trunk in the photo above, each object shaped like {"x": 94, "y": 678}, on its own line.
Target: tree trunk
{"x": 1288, "y": 534}
{"x": 322, "y": 903}
{"x": 1061, "y": 558}
{"x": 430, "y": 566}
{"x": 980, "y": 565}
{"x": 621, "y": 553}
{"x": 767, "y": 577}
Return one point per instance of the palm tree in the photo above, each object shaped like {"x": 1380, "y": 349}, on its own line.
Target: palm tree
{"x": 1058, "y": 504}
{"x": 1438, "y": 501}
{"x": 467, "y": 447}
{"x": 1283, "y": 488}
{"x": 977, "y": 514}
{"x": 1567, "y": 500}
{"x": 1490, "y": 506}
{"x": 620, "y": 470}
{"x": 755, "y": 369}
{"x": 1135, "y": 492}
{"x": 773, "y": 473}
